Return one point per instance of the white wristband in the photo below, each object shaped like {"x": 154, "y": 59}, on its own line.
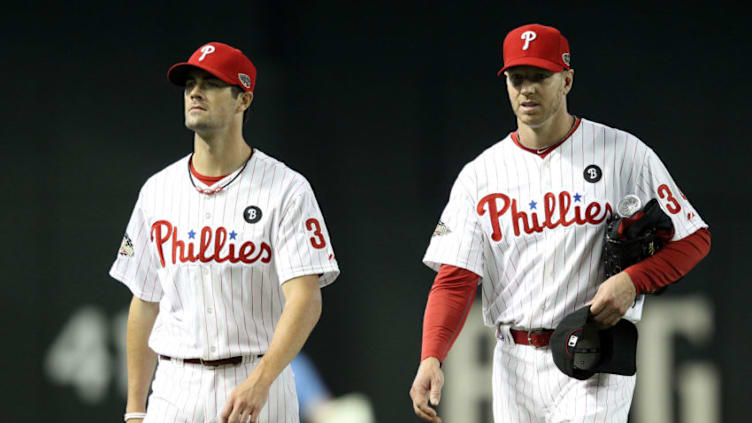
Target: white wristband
{"x": 129, "y": 416}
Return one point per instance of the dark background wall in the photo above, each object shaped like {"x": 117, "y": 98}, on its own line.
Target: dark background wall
{"x": 379, "y": 106}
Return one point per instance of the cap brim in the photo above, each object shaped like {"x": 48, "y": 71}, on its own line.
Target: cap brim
{"x": 178, "y": 73}
{"x": 532, "y": 61}
{"x": 558, "y": 343}
{"x": 623, "y": 357}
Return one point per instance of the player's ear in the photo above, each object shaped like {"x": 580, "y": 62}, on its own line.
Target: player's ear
{"x": 246, "y": 98}
{"x": 568, "y": 76}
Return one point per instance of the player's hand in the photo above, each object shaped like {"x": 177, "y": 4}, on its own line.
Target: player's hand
{"x": 614, "y": 297}
{"x": 427, "y": 386}
{"x": 246, "y": 400}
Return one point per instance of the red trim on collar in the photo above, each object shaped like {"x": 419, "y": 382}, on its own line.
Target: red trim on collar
{"x": 543, "y": 152}
{"x": 207, "y": 180}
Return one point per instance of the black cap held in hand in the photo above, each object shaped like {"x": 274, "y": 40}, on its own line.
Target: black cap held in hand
{"x": 581, "y": 350}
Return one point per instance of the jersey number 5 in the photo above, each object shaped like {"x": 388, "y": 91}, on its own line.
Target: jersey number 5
{"x": 317, "y": 241}
{"x": 673, "y": 205}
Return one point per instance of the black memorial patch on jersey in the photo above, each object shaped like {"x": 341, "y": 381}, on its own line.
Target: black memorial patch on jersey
{"x": 593, "y": 174}
{"x": 252, "y": 214}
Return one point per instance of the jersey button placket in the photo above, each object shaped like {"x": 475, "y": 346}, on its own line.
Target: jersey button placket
{"x": 206, "y": 276}
{"x": 205, "y": 206}
{"x": 546, "y": 173}
{"x": 548, "y": 267}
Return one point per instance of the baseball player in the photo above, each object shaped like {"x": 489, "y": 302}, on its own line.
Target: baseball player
{"x": 525, "y": 221}
{"x": 225, "y": 254}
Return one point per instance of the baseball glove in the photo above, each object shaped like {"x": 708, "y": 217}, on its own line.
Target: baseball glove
{"x": 630, "y": 240}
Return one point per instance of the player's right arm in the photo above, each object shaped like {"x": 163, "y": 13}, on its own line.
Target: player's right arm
{"x": 427, "y": 387}
{"x": 449, "y": 302}
{"x": 137, "y": 267}
{"x": 140, "y": 358}
{"x": 456, "y": 253}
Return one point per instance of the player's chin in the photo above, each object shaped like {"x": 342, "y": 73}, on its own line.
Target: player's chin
{"x": 531, "y": 119}
{"x": 193, "y": 123}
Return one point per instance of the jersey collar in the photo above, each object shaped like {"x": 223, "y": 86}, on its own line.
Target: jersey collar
{"x": 543, "y": 152}
{"x": 215, "y": 189}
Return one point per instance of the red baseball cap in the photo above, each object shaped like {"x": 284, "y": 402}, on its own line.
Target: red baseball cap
{"x": 536, "y": 45}
{"x": 226, "y": 63}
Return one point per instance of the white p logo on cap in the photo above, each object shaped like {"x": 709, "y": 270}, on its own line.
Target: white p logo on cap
{"x": 207, "y": 49}
{"x": 528, "y": 36}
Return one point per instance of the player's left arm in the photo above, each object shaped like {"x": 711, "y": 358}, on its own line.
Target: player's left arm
{"x": 671, "y": 263}
{"x": 300, "y": 314}
{"x": 689, "y": 245}
{"x": 305, "y": 261}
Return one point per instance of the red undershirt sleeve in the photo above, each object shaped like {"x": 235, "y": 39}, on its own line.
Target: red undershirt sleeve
{"x": 449, "y": 302}
{"x": 669, "y": 264}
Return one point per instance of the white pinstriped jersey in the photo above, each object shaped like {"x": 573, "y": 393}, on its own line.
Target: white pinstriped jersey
{"x": 216, "y": 263}
{"x": 533, "y": 227}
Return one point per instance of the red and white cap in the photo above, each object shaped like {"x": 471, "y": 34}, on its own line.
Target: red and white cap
{"x": 226, "y": 63}
{"x": 536, "y": 45}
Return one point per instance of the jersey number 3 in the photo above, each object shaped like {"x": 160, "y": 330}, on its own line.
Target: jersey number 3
{"x": 317, "y": 241}
{"x": 673, "y": 206}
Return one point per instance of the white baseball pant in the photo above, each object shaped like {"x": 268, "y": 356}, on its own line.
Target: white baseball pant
{"x": 529, "y": 388}
{"x": 192, "y": 393}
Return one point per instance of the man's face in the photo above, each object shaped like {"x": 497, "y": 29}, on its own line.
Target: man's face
{"x": 537, "y": 94}
{"x": 209, "y": 102}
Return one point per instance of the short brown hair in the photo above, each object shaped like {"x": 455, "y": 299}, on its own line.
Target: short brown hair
{"x": 236, "y": 90}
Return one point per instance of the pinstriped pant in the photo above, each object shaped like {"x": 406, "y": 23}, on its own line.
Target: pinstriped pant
{"x": 193, "y": 393}
{"x": 529, "y": 388}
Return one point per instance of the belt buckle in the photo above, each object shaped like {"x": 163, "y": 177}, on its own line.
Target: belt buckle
{"x": 530, "y": 333}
